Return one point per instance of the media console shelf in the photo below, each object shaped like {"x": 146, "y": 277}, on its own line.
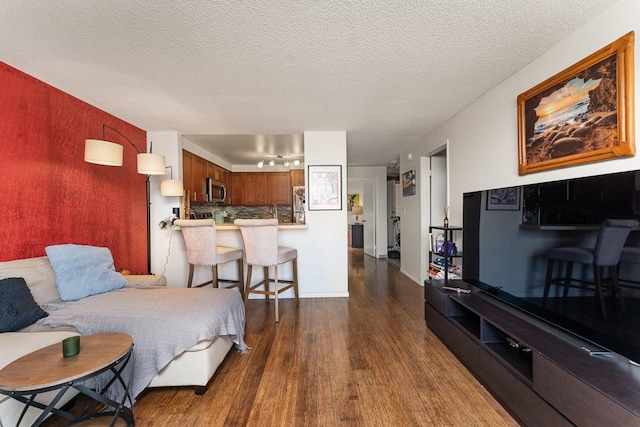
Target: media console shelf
{"x": 543, "y": 376}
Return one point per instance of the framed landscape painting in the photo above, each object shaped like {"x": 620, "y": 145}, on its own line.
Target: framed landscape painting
{"x": 582, "y": 114}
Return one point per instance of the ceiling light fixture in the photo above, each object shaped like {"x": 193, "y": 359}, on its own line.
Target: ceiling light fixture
{"x": 279, "y": 158}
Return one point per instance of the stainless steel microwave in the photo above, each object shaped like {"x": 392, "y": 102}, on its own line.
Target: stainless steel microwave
{"x": 216, "y": 191}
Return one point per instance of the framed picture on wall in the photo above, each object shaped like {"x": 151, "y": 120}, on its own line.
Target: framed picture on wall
{"x": 352, "y": 200}
{"x": 582, "y": 114}
{"x": 325, "y": 188}
{"x": 503, "y": 199}
{"x": 409, "y": 183}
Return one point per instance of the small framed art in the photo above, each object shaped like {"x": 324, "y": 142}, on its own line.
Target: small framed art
{"x": 325, "y": 188}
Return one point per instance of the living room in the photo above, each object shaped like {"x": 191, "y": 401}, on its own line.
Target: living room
{"x": 54, "y": 197}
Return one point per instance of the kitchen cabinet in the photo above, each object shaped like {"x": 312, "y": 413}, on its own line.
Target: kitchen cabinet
{"x": 260, "y": 188}
{"x": 187, "y": 171}
{"x": 279, "y": 188}
{"x": 199, "y": 176}
{"x": 237, "y": 188}
{"x": 213, "y": 171}
{"x": 194, "y": 172}
{"x": 297, "y": 177}
{"x": 225, "y": 178}
{"x": 255, "y": 188}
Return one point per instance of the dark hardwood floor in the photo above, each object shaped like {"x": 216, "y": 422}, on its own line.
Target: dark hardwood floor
{"x": 366, "y": 360}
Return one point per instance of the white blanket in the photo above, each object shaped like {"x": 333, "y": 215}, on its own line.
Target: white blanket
{"x": 163, "y": 322}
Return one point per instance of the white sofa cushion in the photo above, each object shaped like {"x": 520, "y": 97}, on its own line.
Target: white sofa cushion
{"x": 38, "y": 274}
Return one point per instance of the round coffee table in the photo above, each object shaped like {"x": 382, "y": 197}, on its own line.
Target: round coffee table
{"x": 46, "y": 369}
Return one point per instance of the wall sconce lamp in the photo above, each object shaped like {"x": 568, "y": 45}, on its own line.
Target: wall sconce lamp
{"x": 357, "y": 211}
{"x": 171, "y": 187}
{"x": 103, "y": 152}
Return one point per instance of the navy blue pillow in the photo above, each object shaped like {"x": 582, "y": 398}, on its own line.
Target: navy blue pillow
{"x": 18, "y": 309}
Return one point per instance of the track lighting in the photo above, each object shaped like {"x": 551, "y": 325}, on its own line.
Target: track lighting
{"x": 279, "y": 158}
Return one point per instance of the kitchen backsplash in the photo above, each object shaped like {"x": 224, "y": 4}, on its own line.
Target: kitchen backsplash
{"x": 234, "y": 212}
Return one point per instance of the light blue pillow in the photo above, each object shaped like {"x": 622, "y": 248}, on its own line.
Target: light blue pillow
{"x": 83, "y": 270}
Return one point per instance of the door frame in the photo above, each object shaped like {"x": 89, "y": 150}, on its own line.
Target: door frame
{"x": 425, "y": 202}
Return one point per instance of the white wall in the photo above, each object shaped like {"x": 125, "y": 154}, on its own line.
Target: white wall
{"x": 165, "y": 258}
{"x": 483, "y": 142}
{"x": 326, "y": 238}
{"x": 412, "y": 208}
{"x": 322, "y": 247}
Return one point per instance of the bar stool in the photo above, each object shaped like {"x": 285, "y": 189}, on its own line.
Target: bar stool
{"x": 260, "y": 237}
{"x": 630, "y": 255}
{"x": 605, "y": 254}
{"x": 200, "y": 239}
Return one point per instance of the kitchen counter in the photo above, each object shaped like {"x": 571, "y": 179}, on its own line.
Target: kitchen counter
{"x": 281, "y": 226}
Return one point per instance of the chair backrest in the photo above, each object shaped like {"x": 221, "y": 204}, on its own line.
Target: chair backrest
{"x": 613, "y": 233}
{"x": 200, "y": 240}
{"x": 260, "y": 237}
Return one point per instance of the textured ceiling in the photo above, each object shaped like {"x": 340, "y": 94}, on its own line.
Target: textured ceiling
{"x": 388, "y": 72}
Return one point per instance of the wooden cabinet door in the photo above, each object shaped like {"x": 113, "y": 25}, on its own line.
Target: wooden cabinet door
{"x": 187, "y": 172}
{"x": 237, "y": 188}
{"x": 199, "y": 175}
{"x": 279, "y": 188}
{"x": 297, "y": 177}
{"x": 255, "y": 188}
{"x": 213, "y": 171}
{"x": 225, "y": 178}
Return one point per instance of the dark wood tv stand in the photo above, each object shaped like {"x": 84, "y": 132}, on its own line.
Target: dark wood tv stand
{"x": 543, "y": 376}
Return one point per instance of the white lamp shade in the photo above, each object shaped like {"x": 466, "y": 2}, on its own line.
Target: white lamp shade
{"x": 356, "y": 210}
{"x": 102, "y": 152}
{"x": 171, "y": 187}
{"x": 151, "y": 164}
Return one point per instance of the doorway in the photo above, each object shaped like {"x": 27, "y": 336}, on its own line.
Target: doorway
{"x": 438, "y": 201}
{"x": 434, "y": 198}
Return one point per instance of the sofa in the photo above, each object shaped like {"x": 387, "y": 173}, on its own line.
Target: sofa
{"x": 193, "y": 367}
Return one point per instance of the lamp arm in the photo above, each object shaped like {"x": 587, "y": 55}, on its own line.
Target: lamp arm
{"x": 104, "y": 127}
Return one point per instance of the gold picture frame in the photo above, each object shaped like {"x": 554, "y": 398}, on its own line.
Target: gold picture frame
{"x": 587, "y": 112}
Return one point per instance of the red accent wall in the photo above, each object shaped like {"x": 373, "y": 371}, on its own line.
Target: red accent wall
{"x": 49, "y": 194}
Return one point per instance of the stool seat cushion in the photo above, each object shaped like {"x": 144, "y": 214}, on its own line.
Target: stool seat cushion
{"x": 630, "y": 255}
{"x": 286, "y": 254}
{"x": 572, "y": 254}
{"x": 227, "y": 254}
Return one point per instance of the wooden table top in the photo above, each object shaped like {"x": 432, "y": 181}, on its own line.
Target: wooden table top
{"x": 47, "y": 367}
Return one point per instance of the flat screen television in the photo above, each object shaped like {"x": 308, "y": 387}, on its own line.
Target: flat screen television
{"x": 505, "y": 254}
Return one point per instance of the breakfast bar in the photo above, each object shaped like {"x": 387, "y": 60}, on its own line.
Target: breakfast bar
{"x": 297, "y": 236}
